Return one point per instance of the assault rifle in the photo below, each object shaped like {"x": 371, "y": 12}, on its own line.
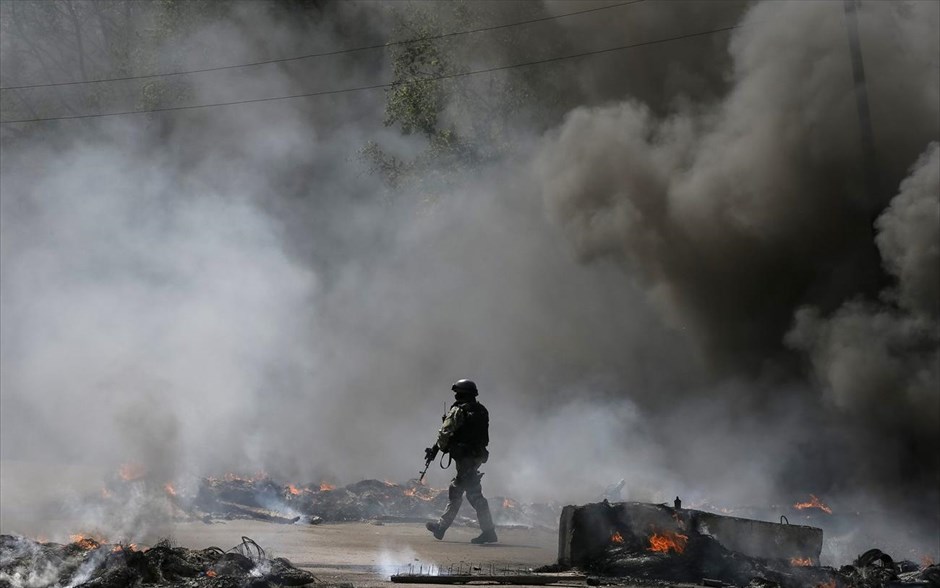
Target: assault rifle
{"x": 429, "y": 454}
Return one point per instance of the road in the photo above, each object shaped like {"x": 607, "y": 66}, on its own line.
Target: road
{"x": 366, "y": 554}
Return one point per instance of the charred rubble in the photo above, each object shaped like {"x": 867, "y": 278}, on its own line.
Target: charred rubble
{"x": 638, "y": 542}
{"x": 86, "y": 563}
{"x": 266, "y": 499}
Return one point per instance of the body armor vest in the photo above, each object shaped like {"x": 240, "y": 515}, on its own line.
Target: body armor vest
{"x": 473, "y": 434}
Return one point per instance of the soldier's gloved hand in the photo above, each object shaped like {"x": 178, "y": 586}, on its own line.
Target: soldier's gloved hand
{"x": 431, "y": 452}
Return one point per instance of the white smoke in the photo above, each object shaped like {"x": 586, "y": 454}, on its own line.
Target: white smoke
{"x": 228, "y": 289}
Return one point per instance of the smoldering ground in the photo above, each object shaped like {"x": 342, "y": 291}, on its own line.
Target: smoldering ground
{"x": 673, "y": 277}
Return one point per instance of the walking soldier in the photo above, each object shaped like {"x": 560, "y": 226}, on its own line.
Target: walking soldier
{"x": 464, "y": 436}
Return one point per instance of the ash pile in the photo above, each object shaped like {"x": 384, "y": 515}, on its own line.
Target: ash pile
{"x": 87, "y": 563}
{"x": 637, "y": 542}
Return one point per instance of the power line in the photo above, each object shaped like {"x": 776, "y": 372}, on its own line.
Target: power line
{"x": 328, "y": 53}
{"x": 388, "y": 84}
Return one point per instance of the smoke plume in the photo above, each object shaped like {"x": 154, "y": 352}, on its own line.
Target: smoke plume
{"x": 671, "y": 272}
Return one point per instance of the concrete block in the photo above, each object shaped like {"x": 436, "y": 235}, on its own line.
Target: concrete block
{"x": 587, "y": 531}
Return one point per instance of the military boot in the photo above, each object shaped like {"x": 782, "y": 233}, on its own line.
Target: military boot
{"x": 436, "y": 529}
{"x": 485, "y": 537}
{"x": 486, "y": 522}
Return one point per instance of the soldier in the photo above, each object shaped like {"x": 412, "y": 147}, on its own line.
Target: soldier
{"x": 465, "y": 435}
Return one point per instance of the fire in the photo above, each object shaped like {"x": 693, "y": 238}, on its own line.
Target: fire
{"x": 667, "y": 541}
{"x": 414, "y": 492}
{"x": 119, "y": 548}
{"x": 294, "y": 490}
{"x": 105, "y": 493}
{"x": 616, "y": 537}
{"x": 326, "y": 487}
{"x": 509, "y": 503}
{"x": 170, "y": 490}
{"x": 926, "y": 561}
{"x": 813, "y": 503}
{"x": 131, "y": 471}
{"x": 801, "y": 561}
{"x": 211, "y": 573}
{"x": 86, "y": 542}
{"x": 829, "y": 584}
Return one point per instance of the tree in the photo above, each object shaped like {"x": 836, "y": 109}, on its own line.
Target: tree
{"x": 465, "y": 121}
{"x": 54, "y": 41}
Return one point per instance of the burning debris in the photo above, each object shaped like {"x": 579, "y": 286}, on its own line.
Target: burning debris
{"x": 813, "y": 503}
{"x": 132, "y": 471}
{"x": 260, "y": 497}
{"x": 657, "y": 542}
{"x": 364, "y": 500}
{"x": 88, "y": 563}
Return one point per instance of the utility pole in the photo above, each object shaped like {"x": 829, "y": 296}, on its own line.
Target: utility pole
{"x": 869, "y": 161}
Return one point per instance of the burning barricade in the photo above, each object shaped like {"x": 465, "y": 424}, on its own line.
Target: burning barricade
{"x": 261, "y": 497}
{"x": 264, "y": 499}
{"x": 363, "y": 500}
{"x": 88, "y": 563}
{"x": 658, "y": 542}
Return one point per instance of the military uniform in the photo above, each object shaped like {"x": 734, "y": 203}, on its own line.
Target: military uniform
{"x": 464, "y": 435}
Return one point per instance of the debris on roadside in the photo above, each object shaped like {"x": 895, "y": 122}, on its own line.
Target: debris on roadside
{"x": 88, "y": 563}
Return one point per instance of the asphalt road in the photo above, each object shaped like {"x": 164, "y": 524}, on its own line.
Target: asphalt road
{"x": 367, "y": 554}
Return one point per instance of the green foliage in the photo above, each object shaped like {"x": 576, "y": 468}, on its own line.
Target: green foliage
{"x": 414, "y": 102}
{"x": 465, "y": 121}
{"x": 391, "y": 168}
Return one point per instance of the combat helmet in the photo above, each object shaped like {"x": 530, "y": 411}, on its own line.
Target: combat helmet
{"x": 465, "y": 387}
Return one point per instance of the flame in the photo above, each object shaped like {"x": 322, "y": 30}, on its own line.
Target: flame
{"x": 829, "y": 584}
{"x": 801, "y": 561}
{"x": 86, "y": 542}
{"x": 616, "y": 537}
{"x": 813, "y": 503}
{"x": 169, "y": 489}
{"x": 668, "y": 540}
{"x": 211, "y": 573}
{"x": 119, "y": 548}
{"x": 131, "y": 471}
{"x": 105, "y": 493}
{"x": 326, "y": 487}
{"x": 926, "y": 561}
{"x": 294, "y": 490}
{"x": 414, "y": 492}
{"x": 509, "y": 503}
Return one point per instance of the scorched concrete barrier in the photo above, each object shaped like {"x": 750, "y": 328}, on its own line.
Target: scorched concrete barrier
{"x": 586, "y": 531}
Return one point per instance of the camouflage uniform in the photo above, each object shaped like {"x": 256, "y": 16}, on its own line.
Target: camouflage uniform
{"x": 466, "y": 443}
